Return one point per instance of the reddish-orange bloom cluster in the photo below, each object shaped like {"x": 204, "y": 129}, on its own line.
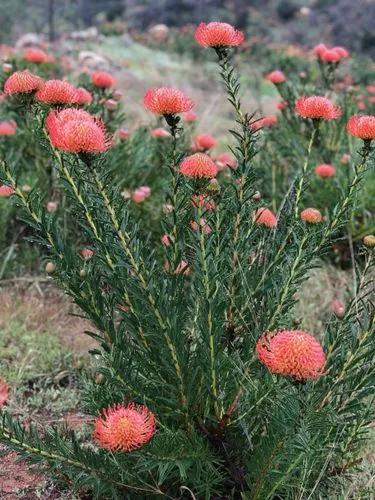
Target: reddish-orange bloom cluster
{"x": 317, "y": 107}
{"x": 362, "y": 126}
{"x": 203, "y": 142}
{"x": 276, "y": 77}
{"x": 330, "y": 55}
{"x": 124, "y": 427}
{"x": 311, "y": 215}
{"x": 76, "y": 131}
{"x": 22, "y": 82}
{"x": 6, "y": 191}
{"x": 57, "y": 92}
{"x": 267, "y": 121}
{"x": 4, "y": 392}
{"x": 291, "y": 353}
{"x": 167, "y": 101}
{"x": 35, "y": 55}
{"x": 218, "y": 35}
{"x": 103, "y": 80}
{"x": 265, "y": 217}
{"x": 198, "y": 165}
{"x": 7, "y": 128}
{"x": 325, "y": 170}
{"x": 83, "y": 96}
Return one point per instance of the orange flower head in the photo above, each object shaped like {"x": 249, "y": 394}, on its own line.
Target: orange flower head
{"x": 265, "y": 217}
{"x": 35, "y": 55}
{"x": 124, "y": 428}
{"x": 276, "y": 77}
{"x": 6, "y": 191}
{"x": 103, "y": 80}
{"x": 57, "y": 92}
{"x": 291, "y": 353}
{"x": 167, "y": 101}
{"x": 362, "y": 126}
{"x": 7, "y": 128}
{"x": 76, "y": 131}
{"x": 203, "y": 142}
{"x": 325, "y": 170}
{"x": 198, "y": 165}
{"x": 83, "y": 96}
{"x": 317, "y": 107}
{"x": 22, "y": 82}
{"x": 330, "y": 56}
{"x": 311, "y": 215}
{"x": 218, "y": 35}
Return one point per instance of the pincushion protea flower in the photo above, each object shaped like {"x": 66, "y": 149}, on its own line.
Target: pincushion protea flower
{"x": 203, "y": 142}
{"x": 167, "y": 101}
{"x": 87, "y": 253}
{"x": 159, "y": 133}
{"x": 338, "y": 308}
{"x": 311, "y": 215}
{"x": 57, "y": 92}
{"x": 264, "y": 217}
{"x": 218, "y": 35}
{"x": 325, "y": 170}
{"x": 292, "y": 353}
{"x": 190, "y": 116}
{"x": 6, "y": 191}
{"x": 362, "y": 126}
{"x": 198, "y": 165}
{"x": 4, "y": 392}
{"x": 76, "y": 131}
{"x": 35, "y": 55}
{"x": 267, "y": 121}
{"x": 103, "y": 80}
{"x": 7, "y": 128}
{"x": 317, "y": 107}
{"x": 22, "y": 82}
{"x": 83, "y": 96}
{"x": 226, "y": 159}
{"x": 124, "y": 428}
{"x": 276, "y": 77}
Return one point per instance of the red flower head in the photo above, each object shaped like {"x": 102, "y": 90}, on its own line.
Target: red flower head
{"x": 291, "y": 353}
{"x": 342, "y": 51}
{"x": 6, "y": 191}
{"x": 325, "y": 170}
{"x": 317, "y": 107}
{"x": 281, "y": 105}
{"x": 224, "y": 160}
{"x": 362, "y": 126}
{"x": 267, "y": 121}
{"x": 103, "y": 80}
{"x": 264, "y": 217}
{"x": 311, "y": 215}
{"x": 198, "y": 165}
{"x": 123, "y": 134}
{"x": 76, "y": 131}
{"x": 124, "y": 427}
{"x": 57, "y": 92}
{"x": 35, "y": 55}
{"x": 371, "y": 89}
{"x": 159, "y": 133}
{"x": 276, "y": 77}
{"x": 218, "y": 35}
{"x": 319, "y": 49}
{"x": 203, "y": 142}
{"x": 190, "y": 116}
{"x": 167, "y": 101}
{"x": 87, "y": 253}
{"x": 22, "y": 82}
{"x": 83, "y": 96}
{"x": 7, "y": 128}
{"x": 4, "y": 392}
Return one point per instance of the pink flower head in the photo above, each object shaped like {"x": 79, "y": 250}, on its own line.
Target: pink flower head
{"x": 103, "y": 80}
{"x": 311, "y": 215}
{"x": 83, "y": 96}
{"x": 87, "y": 253}
{"x": 124, "y": 428}
{"x": 338, "y": 308}
{"x": 317, "y": 107}
{"x": 52, "y": 206}
{"x": 265, "y": 217}
{"x": 345, "y": 158}
{"x": 141, "y": 194}
{"x": 218, "y": 35}
{"x": 276, "y": 77}
{"x": 57, "y": 92}
{"x": 319, "y": 49}
{"x": 7, "y": 128}
{"x": 35, "y": 55}
{"x": 224, "y": 160}
{"x": 166, "y": 240}
{"x": 291, "y": 353}
{"x": 371, "y": 89}
{"x": 325, "y": 170}
{"x": 167, "y": 101}
{"x": 6, "y": 191}
{"x": 159, "y": 133}
{"x": 22, "y": 82}
{"x": 362, "y": 126}
{"x": 198, "y": 165}
{"x": 330, "y": 56}
{"x": 110, "y": 104}
{"x": 282, "y": 105}
{"x": 267, "y": 121}
{"x": 123, "y": 134}
{"x": 203, "y": 142}
{"x": 190, "y": 116}
{"x": 76, "y": 131}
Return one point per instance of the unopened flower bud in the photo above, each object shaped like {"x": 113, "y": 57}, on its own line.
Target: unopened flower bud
{"x": 82, "y": 273}
{"x": 26, "y": 188}
{"x": 110, "y": 104}
{"x": 7, "y": 68}
{"x": 257, "y": 196}
{"x": 99, "y": 379}
{"x": 369, "y": 241}
{"x": 338, "y": 308}
{"x": 50, "y": 268}
{"x": 51, "y": 206}
{"x": 213, "y": 186}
